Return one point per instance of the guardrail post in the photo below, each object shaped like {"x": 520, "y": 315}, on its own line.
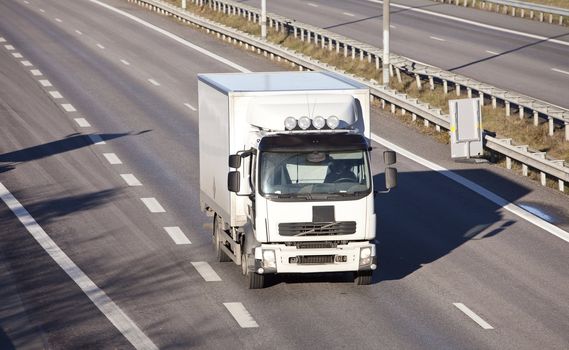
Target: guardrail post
{"x": 338, "y": 46}
{"x": 550, "y": 18}
{"x": 560, "y": 20}
{"x": 469, "y": 92}
{"x": 376, "y": 63}
{"x": 392, "y": 108}
{"x": 494, "y": 102}
{"x": 353, "y": 53}
{"x": 418, "y": 80}
{"x": 431, "y": 82}
{"x": 507, "y": 108}
{"x": 531, "y": 14}
{"x": 524, "y": 170}
{"x": 398, "y": 71}
{"x": 541, "y": 16}
{"x": 521, "y": 109}
{"x": 561, "y": 185}
{"x": 361, "y": 55}
{"x": 543, "y": 178}
{"x": 481, "y": 96}
{"x": 426, "y": 123}
{"x": 445, "y": 86}
{"x": 301, "y": 34}
{"x": 508, "y": 163}
{"x": 345, "y": 50}
{"x": 513, "y": 11}
{"x": 535, "y": 118}
{"x": 523, "y": 13}
{"x": 550, "y": 122}
{"x": 457, "y": 88}
{"x": 566, "y": 127}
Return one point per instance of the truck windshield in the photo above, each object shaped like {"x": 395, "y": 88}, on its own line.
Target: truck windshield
{"x": 314, "y": 175}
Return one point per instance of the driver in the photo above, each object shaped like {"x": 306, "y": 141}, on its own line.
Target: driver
{"x": 340, "y": 170}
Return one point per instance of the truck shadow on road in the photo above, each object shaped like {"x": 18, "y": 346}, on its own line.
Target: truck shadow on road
{"x": 428, "y": 216}
{"x": 8, "y": 161}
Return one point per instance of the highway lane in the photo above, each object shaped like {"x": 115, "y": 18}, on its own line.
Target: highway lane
{"x": 509, "y": 61}
{"x": 427, "y": 264}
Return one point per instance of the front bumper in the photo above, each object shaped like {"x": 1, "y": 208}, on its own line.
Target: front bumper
{"x": 290, "y": 259}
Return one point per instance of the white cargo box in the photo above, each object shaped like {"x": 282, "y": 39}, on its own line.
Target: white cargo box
{"x": 233, "y": 107}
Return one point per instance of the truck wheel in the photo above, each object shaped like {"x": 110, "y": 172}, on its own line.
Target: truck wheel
{"x": 362, "y": 278}
{"x": 255, "y": 280}
{"x": 220, "y": 254}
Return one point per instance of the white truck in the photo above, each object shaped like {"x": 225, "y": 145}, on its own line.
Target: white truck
{"x": 285, "y": 172}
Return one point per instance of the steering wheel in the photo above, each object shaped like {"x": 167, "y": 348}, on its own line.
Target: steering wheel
{"x": 344, "y": 179}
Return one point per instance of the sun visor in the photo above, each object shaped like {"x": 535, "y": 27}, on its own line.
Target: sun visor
{"x": 269, "y": 112}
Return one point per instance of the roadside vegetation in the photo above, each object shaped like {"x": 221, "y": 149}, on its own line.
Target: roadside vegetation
{"x": 521, "y": 131}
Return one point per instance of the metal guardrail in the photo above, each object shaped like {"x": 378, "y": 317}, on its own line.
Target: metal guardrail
{"x": 515, "y": 8}
{"x": 386, "y": 96}
{"x": 524, "y": 106}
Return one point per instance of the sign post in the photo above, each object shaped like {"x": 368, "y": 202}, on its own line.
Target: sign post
{"x": 465, "y": 128}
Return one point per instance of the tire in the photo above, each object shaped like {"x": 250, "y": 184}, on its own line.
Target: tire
{"x": 220, "y": 254}
{"x": 363, "y": 278}
{"x": 254, "y": 280}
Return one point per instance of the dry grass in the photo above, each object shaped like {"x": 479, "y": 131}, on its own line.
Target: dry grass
{"x": 556, "y": 3}
{"x": 521, "y": 131}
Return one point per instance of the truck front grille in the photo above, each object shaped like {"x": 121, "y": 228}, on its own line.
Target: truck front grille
{"x": 317, "y": 228}
{"x": 312, "y": 259}
{"x": 315, "y": 245}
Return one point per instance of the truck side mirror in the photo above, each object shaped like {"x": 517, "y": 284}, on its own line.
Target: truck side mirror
{"x": 389, "y": 157}
{"x": 234, "y": 181}
{"x": 234, "y": 161}
{"x": 390, "y": 178}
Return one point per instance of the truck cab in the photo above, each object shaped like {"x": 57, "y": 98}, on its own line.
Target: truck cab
{"x": 299, "y": 184}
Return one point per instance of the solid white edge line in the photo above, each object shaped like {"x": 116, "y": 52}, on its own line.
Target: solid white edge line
{"x": 241, "y": 315}
{"x": 205, "y": 270}
{"x": 153, "y": 82}
{"x": 100, "y": 46}
{"x": 473, "y": 316}
{"x": 42, "y": 10}
{"x": 437, "y": 38}
{"x": 112, "y": 158}
{"x": 78, "y": 32}
{"x": 125, "y": 62}
{"x": 131, "y": 180}
{"x": 512, "y": 208}
{"x": 492, "y": 52}
{"x": 173, "y": 37}
{"x": 560, "y": 71}
{"x": 477, "y": 24}
{"x": 82, "y": 122}
{"x": 58, "y": 20}
{"x": 97, "y": 296}
{"x": 177, "y": 235}
{"x": 348, "y": 14}
{"x": 153, "y": 205}
{"x": 311, "y": 4}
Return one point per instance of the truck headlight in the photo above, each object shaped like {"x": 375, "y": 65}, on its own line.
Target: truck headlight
{"x": 365, "y": 256}
{"x": 319, "y": 122}
{"x": 290, "y": 123}
{"x": 304, "y": 123}
{"x": 332, "y": 122}
{"x": 269, "y": 259}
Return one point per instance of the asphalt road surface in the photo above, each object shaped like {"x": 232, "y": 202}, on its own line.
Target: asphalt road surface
{"x": 516, "y": 54}
{"x": 98, "y": 142}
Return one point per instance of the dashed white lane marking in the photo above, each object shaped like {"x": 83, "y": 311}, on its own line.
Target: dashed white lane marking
{"x": 78, "y": 32}
{"x": 473, "y": 316}
{"x": 125, "y": 62}
{"x": 112, "y": 158}
{"x": 154, "y": 82}
{"x": 9, "y": 47}
{"x": 26, "y": 2}
{"x": 477, "y": 24}
{"x": 177, "y": 235}
{"x": 173, "y": 37}
{"x": 437, "y": 38}
{"x": 153, "y": 205}
{"x": 560, "y": 71}
{"x": 311, "y": 4}
{"x": 2, "y": 40}
{"x": 36, "y": 72}
{"x": 241, "y": 315}
{"x": 68, "y": 107}
{"x": 17, "y": 55}
{"x": 206, "y": 271}
{"x": 131, "y": 180}
{"x": 42, "y": 10}
{"x": 82, "y": 122}
{"x": 474, "y": 187}
{"x": 348, "y": 14}
{"x": 55, "y": 94}
{"x": 392, "y": 26}
{"x": 26, "y": 63}
{"x": 190, "y": 107}
{"x": 492, "y": 52}
{"x": 100, "y": 46}
{"x": 58, "y": 20}
{"x": 97, "y": 296}
{"x": 96, "y": 139}
{"x": 45, "y": 83}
